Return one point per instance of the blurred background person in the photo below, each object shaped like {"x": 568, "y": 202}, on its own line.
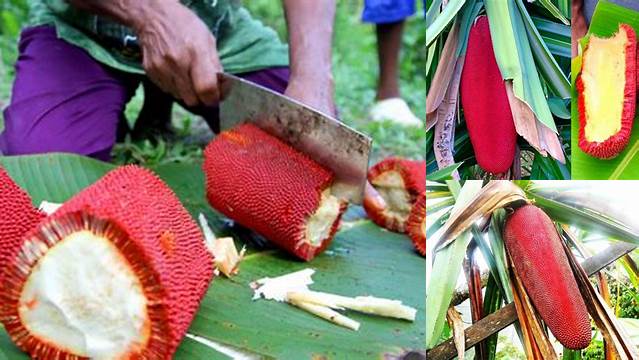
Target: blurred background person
{"x": 389, "y": 17}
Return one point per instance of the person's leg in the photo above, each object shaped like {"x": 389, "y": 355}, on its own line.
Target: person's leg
{"x": 389, "y": 40}
{"x": 388, "y": 17}
{"x": 154, "y": 118}
{"x": 62, "y": 99}
{"x": 275, "y": 79}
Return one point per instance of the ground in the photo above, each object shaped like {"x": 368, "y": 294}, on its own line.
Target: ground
{"x": 355, "y": 73}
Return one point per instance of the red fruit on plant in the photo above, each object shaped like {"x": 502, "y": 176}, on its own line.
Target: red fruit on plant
{"x": 117, "y": 272}
{"x": 542, "y": 265}
{"x": 267, "y": 186}
{"x": 485, "y": 102}
{"x": 607, "y": 93}
{"x": 399, "y": 182}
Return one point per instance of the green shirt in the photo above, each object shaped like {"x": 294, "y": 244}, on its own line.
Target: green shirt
{"x": 244, "y": 44}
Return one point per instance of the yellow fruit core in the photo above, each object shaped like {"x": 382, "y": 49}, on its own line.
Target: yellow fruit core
{"x": 604, "y": 77}
{"x": 319, "y": 225}
{"x": 390, "y": 186}
{"x": 83, "y": 297}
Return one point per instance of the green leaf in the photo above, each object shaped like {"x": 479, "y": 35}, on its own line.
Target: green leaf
{"x": 605, "y": 22}
{"x": 363, "y": 260}
{"x": 515, "y": 57}
{"x": 442, "y": 20}
{"x": 552, "y": 9}
{"x": 443, "y": 174}
{"x": 447, "y": 266}
{"x": 583, "y": 218}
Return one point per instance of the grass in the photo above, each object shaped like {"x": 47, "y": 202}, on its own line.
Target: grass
{"x": 355, "y": 74}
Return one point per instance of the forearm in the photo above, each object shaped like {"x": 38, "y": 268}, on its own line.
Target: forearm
{"x": 310, "y": 29}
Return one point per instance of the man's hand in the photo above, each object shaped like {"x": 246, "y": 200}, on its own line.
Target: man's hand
{"x": 310, "y": 29}
{"x": 179, "y": 52}
{"x": 579, "y": 27}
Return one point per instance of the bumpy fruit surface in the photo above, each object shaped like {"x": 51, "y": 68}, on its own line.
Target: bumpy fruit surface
{"x": 400, "y": 182}
{"x": 17, "y": 217}
{"x": 542, "y": 265}
{"x": 267, "y": 186}
{"x": 485, "y": 103}
{"x": 117, "y": 272}
{"x": 416, "y": 226}
{"x": 607, "y": 93}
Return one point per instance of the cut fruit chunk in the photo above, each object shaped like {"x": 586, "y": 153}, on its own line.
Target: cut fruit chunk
{"x": 17, "y": 217}
{"x": 269, "y": 187}
{"x": 607, "y": 87}
{"x": 417, "y": 224}
{"x": 117, "y": 272}
{"x": 399, "y": 182}
{"x": 485, "y": 102}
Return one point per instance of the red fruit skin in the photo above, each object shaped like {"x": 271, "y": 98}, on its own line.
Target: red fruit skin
{"x": 413, "y": 172}
{"x": 616, "y": 143}
{"x": 539, "y": 258}
{"x": 485, "y": 102}
{"x": 17, "y": 217}
{"x": 414, "y": 226}
{"x": 156, "y": 235}
{"x": 267, "y": 186}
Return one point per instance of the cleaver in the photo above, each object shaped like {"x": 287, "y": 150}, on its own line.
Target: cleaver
{"x": 323, "y": 138}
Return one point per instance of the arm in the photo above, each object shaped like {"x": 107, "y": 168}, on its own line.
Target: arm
{"x": 579, "y": 26}
{"x": 179, "y": 52}
{"x": 310, "y": 29}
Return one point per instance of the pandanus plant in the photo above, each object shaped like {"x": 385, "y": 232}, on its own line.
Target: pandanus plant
{"x": 498, "y": 96}
{"x": 525, "y": 253}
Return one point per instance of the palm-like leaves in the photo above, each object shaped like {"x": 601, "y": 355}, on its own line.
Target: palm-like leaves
{"x": 534, "y": 45}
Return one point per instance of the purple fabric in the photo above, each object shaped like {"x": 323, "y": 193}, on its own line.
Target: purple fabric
{"x": 65, "y": 101}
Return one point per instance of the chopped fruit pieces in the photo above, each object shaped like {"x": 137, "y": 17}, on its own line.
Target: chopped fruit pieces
{"x": 117, "y": 272}
{"x": 399, "y": 182}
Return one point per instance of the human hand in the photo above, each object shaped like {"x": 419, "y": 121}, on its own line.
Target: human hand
{"x": 372, "y": 198}
{"x": 179, "y": 53}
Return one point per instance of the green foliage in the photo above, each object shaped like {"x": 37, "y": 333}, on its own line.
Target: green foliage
{"x": 155, "y": 152}
{"x": 595, "y": 351}
{"x": 506, "y": 350}
{"x": 627, "y": 301}
{"x": 12, "y": 14}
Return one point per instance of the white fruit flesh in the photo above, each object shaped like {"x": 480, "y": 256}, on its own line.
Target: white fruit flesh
{"x": 82, "y": 296}
{"x": 319, "y": 225}
{"x": 391, "y": 187}
{"x": 604, "y": 77}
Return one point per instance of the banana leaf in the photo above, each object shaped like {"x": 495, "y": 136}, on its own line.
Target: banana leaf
{"x": 363, "y": 260}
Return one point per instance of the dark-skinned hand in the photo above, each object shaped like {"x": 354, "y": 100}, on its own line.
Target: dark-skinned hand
{"x": 180, "y": 53}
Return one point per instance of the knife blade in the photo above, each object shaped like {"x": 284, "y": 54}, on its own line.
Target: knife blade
{"x": 323, "y": 138}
